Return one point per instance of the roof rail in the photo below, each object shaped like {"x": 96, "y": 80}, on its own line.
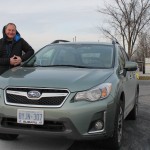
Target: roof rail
{"x": 58, "y": 41}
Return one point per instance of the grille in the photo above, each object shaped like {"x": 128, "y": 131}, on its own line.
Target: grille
{"x": 49, "y": 97}
{"x": 43, "y": 101}
{"x": 53, "y": 126}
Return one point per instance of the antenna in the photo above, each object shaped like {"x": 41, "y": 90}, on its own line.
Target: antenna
{"x": 58, "y": 41}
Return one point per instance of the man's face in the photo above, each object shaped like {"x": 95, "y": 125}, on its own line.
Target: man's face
{"x": 10, "y": 31}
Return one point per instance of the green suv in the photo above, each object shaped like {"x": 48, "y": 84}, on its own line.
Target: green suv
{"x": 72, "y": 89}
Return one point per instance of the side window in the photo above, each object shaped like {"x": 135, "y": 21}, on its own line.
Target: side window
{"x": 121, "y": 59}
{"x": 124, "y": 54}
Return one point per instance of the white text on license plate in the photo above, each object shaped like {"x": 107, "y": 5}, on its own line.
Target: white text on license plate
{"x": 30, "y": 116}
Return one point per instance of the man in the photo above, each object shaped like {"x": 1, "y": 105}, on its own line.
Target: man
{"x": 13, "y": 48}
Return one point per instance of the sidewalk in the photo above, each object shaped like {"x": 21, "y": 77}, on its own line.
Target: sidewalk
{"x": 141, "y": 76}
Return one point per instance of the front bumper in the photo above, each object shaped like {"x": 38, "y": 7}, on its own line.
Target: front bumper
{"x": 73, "y": 120}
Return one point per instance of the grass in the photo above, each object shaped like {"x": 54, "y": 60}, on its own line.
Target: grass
{"x": 144, "y": 78}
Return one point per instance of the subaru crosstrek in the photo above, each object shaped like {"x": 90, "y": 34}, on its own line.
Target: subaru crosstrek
{"x": 72, "y": 89}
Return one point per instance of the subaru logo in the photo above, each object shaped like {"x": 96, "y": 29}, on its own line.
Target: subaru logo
{"x": 34, "y": 94}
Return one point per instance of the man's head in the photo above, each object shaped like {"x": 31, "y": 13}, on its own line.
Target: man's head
{"x": 10, "y": 30}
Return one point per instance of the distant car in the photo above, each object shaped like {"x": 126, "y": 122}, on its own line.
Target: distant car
{"x": 72, "y": 89}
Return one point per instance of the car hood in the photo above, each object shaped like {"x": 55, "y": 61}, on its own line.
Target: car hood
{"x": 74, "y": 79}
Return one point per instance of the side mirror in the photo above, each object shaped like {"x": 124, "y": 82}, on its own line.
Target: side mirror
{"x": 130, "y": 66}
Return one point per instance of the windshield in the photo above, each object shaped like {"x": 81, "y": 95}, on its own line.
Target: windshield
{"x": 74, "y": 55}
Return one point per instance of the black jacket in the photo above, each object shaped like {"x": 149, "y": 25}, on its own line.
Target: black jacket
{"x": 18, "y": 47}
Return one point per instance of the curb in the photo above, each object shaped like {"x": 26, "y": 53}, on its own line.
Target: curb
{"x": 143, "y": 78}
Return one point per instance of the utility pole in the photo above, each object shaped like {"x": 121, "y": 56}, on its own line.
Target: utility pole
{"x": 74, "y": 39}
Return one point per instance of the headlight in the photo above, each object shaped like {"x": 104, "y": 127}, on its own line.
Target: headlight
{"x": 100, "y": 92}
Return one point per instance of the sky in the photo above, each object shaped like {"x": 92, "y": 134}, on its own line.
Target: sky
{"x": 42, "y": 21}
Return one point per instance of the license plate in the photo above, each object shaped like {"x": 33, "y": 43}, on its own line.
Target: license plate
{"x": 30, "y": 116}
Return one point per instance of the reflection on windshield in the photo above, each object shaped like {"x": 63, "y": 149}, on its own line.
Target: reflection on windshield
{"x": 82, "y": 56}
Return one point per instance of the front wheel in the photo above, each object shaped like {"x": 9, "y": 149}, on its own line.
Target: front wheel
{"x": 116, "y": 140}
{"x": 9, "y": 137}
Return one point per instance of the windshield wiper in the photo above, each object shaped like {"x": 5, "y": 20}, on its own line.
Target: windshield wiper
{"x": 75, "y": 66}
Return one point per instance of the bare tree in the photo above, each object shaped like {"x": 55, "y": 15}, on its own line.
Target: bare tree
{"x": 143, "y": 47}
{"x": 127, "y": 19}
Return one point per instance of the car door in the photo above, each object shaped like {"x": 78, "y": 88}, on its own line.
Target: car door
{"x": 128, "y": 79}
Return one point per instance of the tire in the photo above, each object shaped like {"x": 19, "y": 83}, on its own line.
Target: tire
{"x": 134, "y": 112}
{"x": 8, "y": 137}
{"x": 116, "y": 140}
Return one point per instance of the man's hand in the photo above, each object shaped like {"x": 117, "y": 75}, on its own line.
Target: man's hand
{"x": 15, "y": 60}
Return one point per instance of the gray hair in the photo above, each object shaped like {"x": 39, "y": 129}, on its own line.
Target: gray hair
{"x": 10, "y": 24}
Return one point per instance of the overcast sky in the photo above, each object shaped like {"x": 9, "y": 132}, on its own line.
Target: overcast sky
{"x": 42, "y": 21}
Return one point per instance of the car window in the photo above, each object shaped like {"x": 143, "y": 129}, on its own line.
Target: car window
{"x": 98, "y": 57}
{"x": 124, "y": 54}
{"x": 42, "y": 58}
{"x": 90, "y": 55}
{"x": 121, "y": 59}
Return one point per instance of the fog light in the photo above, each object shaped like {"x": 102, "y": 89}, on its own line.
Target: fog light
{"x": 99, "y": 125}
